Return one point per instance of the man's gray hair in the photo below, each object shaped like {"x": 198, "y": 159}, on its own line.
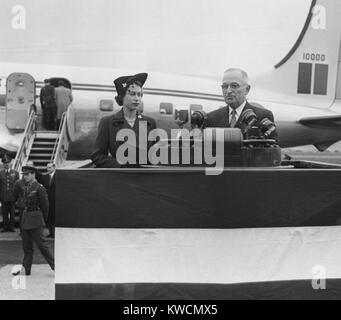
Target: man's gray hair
{"x": 243, "y": 73}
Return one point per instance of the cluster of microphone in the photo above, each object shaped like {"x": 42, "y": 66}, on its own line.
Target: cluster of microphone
{"x": 199, "y": 119}
{"x": 265, "y": 129}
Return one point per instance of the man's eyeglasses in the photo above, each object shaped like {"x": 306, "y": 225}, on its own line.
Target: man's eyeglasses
{"x": 233, "y": 86}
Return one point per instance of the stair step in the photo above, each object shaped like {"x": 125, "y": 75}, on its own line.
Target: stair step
{"x": 43, "y": 147}
{"x": 46, "y": 135}
{"x": 41, "y": 150}
{"x": 42, "y": 143}
{"x": 40, "y": 155}
{"x": 45, "y": 140}
{"x": 41, "y": 160}
{"x": 41, "y": 164}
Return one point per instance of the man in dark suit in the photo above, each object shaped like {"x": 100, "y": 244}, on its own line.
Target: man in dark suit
{"x": 8, "y": 177}
{"x": 48, "y": 105}
{"x": 235, "y": 90}
{"x": 36, "y": 207}
{"x": 50, "y": 186}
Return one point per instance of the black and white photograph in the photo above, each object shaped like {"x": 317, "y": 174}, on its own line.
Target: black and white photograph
{"x": 159, "y": 151}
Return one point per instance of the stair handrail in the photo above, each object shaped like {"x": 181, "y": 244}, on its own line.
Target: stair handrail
{"x": 22, "y": 153}
{"x": 61, "y": 141}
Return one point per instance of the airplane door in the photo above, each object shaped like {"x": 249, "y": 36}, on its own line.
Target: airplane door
{"x": 20, "y": 96}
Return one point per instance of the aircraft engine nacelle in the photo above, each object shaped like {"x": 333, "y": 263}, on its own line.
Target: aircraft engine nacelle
{"x": 20, "y": 99}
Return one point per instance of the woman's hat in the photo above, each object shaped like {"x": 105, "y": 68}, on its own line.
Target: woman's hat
{"x": 122, "y": 84}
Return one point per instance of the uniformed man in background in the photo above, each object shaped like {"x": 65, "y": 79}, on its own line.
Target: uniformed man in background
{"x": 8, "y": 177}
{"x": 33, "y": 221}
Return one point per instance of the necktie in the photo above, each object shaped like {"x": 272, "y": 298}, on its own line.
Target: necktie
{"x": 233, "y": 118}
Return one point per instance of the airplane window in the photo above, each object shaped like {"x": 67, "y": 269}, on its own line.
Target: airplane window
{"x": 166, "y": 108}
{"x": 196, "y": 107}
{"x": 106, "y": 105}
{"x": 2, "y": 100}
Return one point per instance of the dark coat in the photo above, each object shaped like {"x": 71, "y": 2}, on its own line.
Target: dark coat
{"x": 7, "y": 182}
{"x": 221, "y": 117}
{"x": 47, "y": 97}
{"x": 106, "y": 144}
{"x": 36, "y": 204}
{"x": 50, "y": 186}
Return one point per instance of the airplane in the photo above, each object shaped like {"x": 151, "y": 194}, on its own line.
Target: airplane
{"x": 303, "y": 91}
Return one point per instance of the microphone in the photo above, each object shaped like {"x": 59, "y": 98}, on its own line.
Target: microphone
{"x": 249, "y": 118}
{"x": 267, "y": 128}
{"x": 198, "y": 119}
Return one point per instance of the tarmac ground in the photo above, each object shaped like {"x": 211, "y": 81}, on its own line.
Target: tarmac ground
{"x": 39, "y": 286}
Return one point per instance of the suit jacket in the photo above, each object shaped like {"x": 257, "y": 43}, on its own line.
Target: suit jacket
{"x": 106, "y": 142}
{"x": 39, "y": 177}
{"x": 47, "y": 97}
{"x": 50, "y": 186}
{"x": 221, "y": 118}
{"x": 36, "y": 204}
{"x": 7, "y": 182}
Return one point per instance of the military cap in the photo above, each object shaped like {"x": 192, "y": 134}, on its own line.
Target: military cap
{"x": 30, "y": 169}
{"x": 122, "y": 84}
{"x": 6, "y": 159}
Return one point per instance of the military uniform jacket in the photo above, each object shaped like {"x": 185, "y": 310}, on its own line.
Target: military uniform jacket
{"x": 106, "y": 144}
{"x": 7, "y": 181}
{"x": 36, "y": 204}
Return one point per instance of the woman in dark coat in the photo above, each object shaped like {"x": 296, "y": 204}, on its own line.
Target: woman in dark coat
{"x": 130, "y": 93}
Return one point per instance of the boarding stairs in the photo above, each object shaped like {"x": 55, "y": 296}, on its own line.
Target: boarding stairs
{"x": 42, "y": 147}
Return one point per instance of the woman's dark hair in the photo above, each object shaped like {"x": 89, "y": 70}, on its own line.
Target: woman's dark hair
{"x": 119, "y": 98}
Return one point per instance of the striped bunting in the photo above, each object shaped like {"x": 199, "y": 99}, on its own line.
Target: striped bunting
{"x": 129, "y": 238}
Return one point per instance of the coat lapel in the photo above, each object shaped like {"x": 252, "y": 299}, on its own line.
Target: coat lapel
{"x": 239, "y": 122}
{"x": 224, "y": 118}
{"x": 118, "y": 119}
